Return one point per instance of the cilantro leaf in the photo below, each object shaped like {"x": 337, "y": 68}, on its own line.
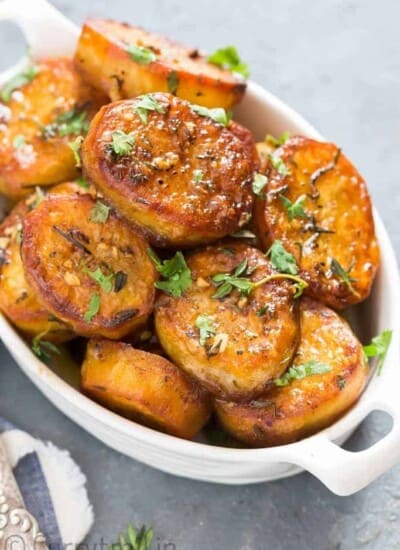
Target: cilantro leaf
{"x": 146, "y": 103}
{"x": 298, "y": 372}
{"x": 172, "y": 82}
{"x": 281, "y": 259}
{"x": 217, "y": 114}
{"x": 379, "y": 347}
{"x": 228, "y": 58}
{"x": 94, "y": 307}
{"x": 99, "y": 212}
{"x": 122, "y": 143}
{"x": 19, "y": 141}
{"x": 141, "y": 54}
{"x": 19, "y": 80}
{"x": 226, "y": 282}
{"x": 259, "y": 182}
{"x": 205, "y": 325}
{"x": 277, "y": 142}
{"x": 279, "y": 165}
{"x": 43, "y": 348}
{"x": 104, "y": 281}
{"x": 134, "y": 539}
{"x": 176, "y": 272}
{"x": 73, "y": 122}
{"x": 294, "y": 209}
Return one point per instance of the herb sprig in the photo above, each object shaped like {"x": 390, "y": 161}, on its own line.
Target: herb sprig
{"x": 122, "y": 143}
{"x": 94, "y": 307}
{"x": 277, "y": 142}
{"x": 206, "y": 327}
{"x": 141, "y": 54}
{"x": 99, "y": 212}
{"x": 298, "y": 372}
{"x": 72, "y": 122}
{"x": 343, "y": 274}
{"x": 134, "y": 539}
{"x": 43, "y": 348}
{"x": 218, "y": 114}
{"x": 294, "y": 209}
{"x": 175, "y": 271}
{"x": 19, "y": 80}
{"x": 228, "y": 58}
{"x": 379, "y": 347}
{"x": 259, "y": 182}
{"x": 146, "y": 103}
{"x": 279, "y": 165}
{"x": 281, "y": 259}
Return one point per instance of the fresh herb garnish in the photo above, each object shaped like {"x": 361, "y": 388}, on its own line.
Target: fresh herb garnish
{"x": 104, "y": 281}
{"x": 198, "y": 176}
{"x": 176, "y": 272}
{"x": 298, "y": 372}
{"x": 146, "y": 103}
{"x": 205, "y": 325}
{"x": 94, "y": 307}
{"x": 73, "y": 122}
{"x": 134, "y": 539}
{"x": 122, "y": 143}
{"x": 82, "y": 183}
{"x": 341, "y": 382}
{"x": 281, "y": 259}
{"x": 172, "y": 82}
{"x": 228, "y": 58}
{"x": 379, "y": 347}
{"x": 343, "y": 274}
{"x": 140, "y": 54}
{"x": 279, "y": 165}
{"x": 75, "y": 146}
{"x": 321, "y": 171}
{"x": 19, "y": 80}
{"x": 217, "y": 114}
{"x": 259, "y": 182}
{"x": 19, "y": 141}
{"x": 294, "y": 209}
{"x": 99, "y": 212}
{"x": 43, "y": 348}
{"x": 277, "y": 142}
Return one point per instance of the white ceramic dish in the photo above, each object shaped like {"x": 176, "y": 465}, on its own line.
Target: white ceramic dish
{"x": 344, "y": 472}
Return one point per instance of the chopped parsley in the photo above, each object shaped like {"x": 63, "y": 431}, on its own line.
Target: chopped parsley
{"x": 104, "y": 281}
{"x": 134, "y": 539}
{"x": 19, "y": 141}
{"x": 94, "y": 307}
{"x": 175, "y": 271}
{"x": 198, "y": 176}
{"x": 141, "y": 54}
{"x": 379, "y": 347}
{"x": 294, "y": 209}
{"x": 146, "y": 103}
{"x": 343, "y": 274}
{"x": 99, "y": 212}
{"x": 43, "y": 348}
{"x": 82, "y": 183}
{"x": 228, "y": 58}
{"x": 205, "y": 325}
{"x": 122, "y": 143}
{"x": 19, "y": 80}
{"x": 279, "y": 165}
{"x": 281, "y": 259}
{"x": 218, "y": 114}
{"x": 75, "y": 146}
{"x": 173, "y": 82}
{"x": 259, "y": 182}
{"x": 73, "y": 122}
{"x": 299, "y": 372}
{"x": 277, "y": 142}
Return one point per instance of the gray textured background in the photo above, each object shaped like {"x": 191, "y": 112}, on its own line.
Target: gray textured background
{"x": 337, "y": 62}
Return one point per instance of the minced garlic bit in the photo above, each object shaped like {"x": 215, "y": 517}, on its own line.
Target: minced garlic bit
{"x": 202, "y": 283}
{"x": 219, "y": 344}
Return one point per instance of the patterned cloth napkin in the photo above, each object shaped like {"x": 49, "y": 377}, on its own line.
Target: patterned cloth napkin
{"x": 52, "y": 486}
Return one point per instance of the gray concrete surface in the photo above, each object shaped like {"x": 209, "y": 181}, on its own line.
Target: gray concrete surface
{"x": 338, "y": 63}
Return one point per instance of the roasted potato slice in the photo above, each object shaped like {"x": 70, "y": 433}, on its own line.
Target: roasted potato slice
{"x": 318, "y": 205}
{"x": 18, "y": 300}
{"x": 182, "y": 178}
{"x": 125, "y": 61}
{"x": 234, "y": 345}
{"x": 144, "y": 387}
{"x": 304, "y": 406}
{"x": 36, "y": 123}
{"x": 88, "y": 267}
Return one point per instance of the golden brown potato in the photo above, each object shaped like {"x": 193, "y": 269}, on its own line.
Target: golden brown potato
{"x": 234, "y": 345}
{"x": 88, "y": 267}
{"x": 182, "y": 178}
{"x": 144, "y": 387}
{"x": 37, "y": 121}
{"x": 18, "y": 300}
{"x": 155, "y": 64}
{"x": 318, "y": 205}
{"x": 304, "y": 406}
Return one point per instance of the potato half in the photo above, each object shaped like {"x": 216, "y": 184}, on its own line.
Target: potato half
{"x": 235, "y": 345}
{"x": 144, "y": 387}
{"x": 181, "y": 178}
{"x": 88, "y": 267}
{"x": 36, "y": 123}
{"x": 155, "y": 64}
{"x": 304, "y": 406}
{"x": 331, "y": 230}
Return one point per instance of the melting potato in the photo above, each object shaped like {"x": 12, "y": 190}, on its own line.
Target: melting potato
{"x": 233, "y": 345}
{"x": 181, "y": 178}
{"x": 18, "y": 301}
{"x": 144, "y": 387}
{"x": 125, "y": 61}
{"x": 88, "y": 268}
{"x": 304, "y": 406}
{"x": 37, "y": 121}
{"x": 318, "y": 205}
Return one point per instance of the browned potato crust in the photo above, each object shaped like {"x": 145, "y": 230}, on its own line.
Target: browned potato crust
{"x": 41, "y": 158}
{"x": 102, "y": 58}
{"x": 144, "y": 387}
{"x": 156, "y": 185}
{"x": 305, "y": 406}
{"x": 18, "y": 300}
{"x": 253, "y": 338}
{"x": 338, "y": 226}
{"x": 94, "y": 275}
